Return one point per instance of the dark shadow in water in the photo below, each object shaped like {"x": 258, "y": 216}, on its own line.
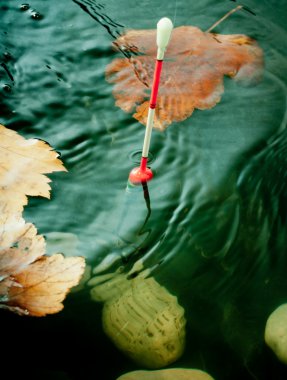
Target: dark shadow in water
{"x": 147, "y": 201}
{"x": 140, "y": 230}
{"x": 95, "y": 10}
{"x": 240, "y": 288}
{"x": 7, "y": 71}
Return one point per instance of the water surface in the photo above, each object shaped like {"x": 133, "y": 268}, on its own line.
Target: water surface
{"x": 212, "y": 223}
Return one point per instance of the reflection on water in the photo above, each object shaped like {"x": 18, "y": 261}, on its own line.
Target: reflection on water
{"x": 211, "y": 226}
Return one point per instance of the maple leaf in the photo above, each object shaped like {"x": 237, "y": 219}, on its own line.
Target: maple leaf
{"x": 20, "y": 246}
{"x": 22, "y": 164}
{"x": 192, "y": 76}
{"x": 30, "y": 282}
{"x": 41, "y": 288}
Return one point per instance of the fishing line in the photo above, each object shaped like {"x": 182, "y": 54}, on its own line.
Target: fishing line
{"x": 175, "y": 13}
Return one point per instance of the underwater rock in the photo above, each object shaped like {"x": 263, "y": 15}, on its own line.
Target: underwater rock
{"x": 167, "y": 374}
{"x": 276, "y": 332}
{"x": 142, "y": 318}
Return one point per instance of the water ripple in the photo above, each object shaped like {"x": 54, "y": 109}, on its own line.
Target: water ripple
{"x": 211, "y": 224}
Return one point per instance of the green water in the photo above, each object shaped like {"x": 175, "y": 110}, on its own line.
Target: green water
{"x": 215, "y": 232}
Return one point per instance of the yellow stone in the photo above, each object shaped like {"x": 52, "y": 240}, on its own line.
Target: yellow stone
{"x": 143, "y": 319}
{"x": 167, "y": 374}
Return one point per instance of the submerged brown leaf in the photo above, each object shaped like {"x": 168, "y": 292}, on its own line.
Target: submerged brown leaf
{"x": 192, "y": 75}
{"x": 30, "y": 283}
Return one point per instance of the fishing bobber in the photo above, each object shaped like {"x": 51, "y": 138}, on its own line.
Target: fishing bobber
{"x": 143, "y": 173}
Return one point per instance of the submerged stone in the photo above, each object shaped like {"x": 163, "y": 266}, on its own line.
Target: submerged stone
{"x": 143, "y": 319}
{"x": 167, "y": 374}
{"x": 276, "y": 332}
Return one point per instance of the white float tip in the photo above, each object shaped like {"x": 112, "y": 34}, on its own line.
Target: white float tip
{"x": 164, "y": 28}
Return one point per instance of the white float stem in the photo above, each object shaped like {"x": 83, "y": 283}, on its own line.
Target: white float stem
{"x": 164, "y": 28}
{"x": 147, "y": 137}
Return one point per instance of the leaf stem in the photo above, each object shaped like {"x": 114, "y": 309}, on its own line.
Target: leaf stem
{"x": 224, "y": 17}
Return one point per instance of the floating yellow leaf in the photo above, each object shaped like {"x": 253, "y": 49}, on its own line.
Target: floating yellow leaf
{"x": 41, "y": 288}
{"x": 22, "y": 164}
{"x": 20, "y": 250}
{"x": 30, "y": 282}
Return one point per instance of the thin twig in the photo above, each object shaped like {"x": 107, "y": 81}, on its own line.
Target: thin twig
{"x": 224, "y": 17}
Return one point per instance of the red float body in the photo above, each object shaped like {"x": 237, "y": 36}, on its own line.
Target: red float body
{"x": 141, "y": 173}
